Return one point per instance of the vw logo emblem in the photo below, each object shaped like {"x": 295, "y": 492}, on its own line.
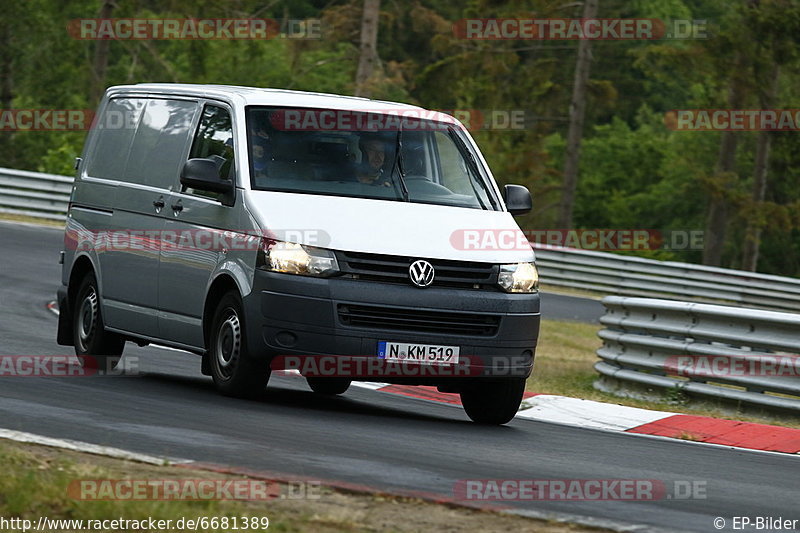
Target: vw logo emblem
{"x": 421, "y": 273}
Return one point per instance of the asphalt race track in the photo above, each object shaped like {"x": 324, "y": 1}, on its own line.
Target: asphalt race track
{"x": 365, "y": 437}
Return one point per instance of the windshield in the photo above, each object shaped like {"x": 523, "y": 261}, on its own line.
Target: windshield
{"x": 365, "y": 155}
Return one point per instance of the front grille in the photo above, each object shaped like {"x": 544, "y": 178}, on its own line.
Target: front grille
{"x": 403, "y": 319}
{"x": 394, "y": 269}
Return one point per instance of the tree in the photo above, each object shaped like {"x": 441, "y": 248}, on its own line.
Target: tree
{"x": 755, "y": 222}
{"x": 100, "y": 62}
{"x": 577, "y": 109}
{"x": 368, "y": 56}
{"x": 725, "y": 176}
{"x": 775, "y": 27}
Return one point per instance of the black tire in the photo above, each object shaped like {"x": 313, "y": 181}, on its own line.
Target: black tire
{"x": 234, "y": 372}
{"x": 494, "y": 402}
{"x": 94, "y": 346}
{"x": 329, "y": 386}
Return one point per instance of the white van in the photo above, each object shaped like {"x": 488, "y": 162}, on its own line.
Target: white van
{"x": 340, "y": 237}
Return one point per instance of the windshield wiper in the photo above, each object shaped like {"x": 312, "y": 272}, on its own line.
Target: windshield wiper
{"x": 398, "y": 162}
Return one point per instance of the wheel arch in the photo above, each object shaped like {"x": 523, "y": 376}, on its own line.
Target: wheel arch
{"x": 221, "y": 285}
{"x": 82, "y": 266}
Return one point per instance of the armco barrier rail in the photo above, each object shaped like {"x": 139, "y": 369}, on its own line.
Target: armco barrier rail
{"x": 634, "y": 276}
{"x": 34, "y": 194}
{"x": 731, "y": 353}
{"x": 47, "y": 195}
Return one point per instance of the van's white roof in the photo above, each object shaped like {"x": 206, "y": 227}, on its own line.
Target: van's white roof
{"x": 266, "y": 97}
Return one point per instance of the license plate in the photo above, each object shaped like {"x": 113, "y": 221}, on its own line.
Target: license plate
{"x": 429, "y": 354}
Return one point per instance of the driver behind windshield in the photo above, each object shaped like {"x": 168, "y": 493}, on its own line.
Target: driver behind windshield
{"x": 375, "y": 166}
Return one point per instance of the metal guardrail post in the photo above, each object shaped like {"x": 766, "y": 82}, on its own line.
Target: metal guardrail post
{"x": 730, "y": 353}
{"x": 634, "y": 276}
{"x": 34, "y": 193}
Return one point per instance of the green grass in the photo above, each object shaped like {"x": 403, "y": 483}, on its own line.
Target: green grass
{"x": 564, "y": 366}
{"x": 35, "y": 480}
{"x": 571, "y": 291}
{"x": 31, "y": 220}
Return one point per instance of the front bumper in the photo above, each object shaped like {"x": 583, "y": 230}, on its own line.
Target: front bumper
{"x": 291, "y": 315}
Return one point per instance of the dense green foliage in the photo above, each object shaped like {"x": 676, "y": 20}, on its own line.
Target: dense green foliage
{"x": 635, "y": 172}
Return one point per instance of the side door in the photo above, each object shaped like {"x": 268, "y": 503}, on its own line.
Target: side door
{"x": 140, "y": 206}
{"x": 107, "y": 161}
{"x": 192, "y": 250}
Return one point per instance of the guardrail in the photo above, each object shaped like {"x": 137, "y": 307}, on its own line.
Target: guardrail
{"x": 47, "y": 196}
{"x": 634, "y": 276}
{"x": 715, "y": 351}
{"x": 34, "y": 193}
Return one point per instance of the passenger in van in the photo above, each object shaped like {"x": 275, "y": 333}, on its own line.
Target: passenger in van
{"x": 262, "y": 153}
{"x": 373, "y": 161}
{"x": 260, "y": 160}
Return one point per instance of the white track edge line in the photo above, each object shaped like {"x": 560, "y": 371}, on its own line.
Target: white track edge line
{"x": 588, "y": 521}
{"x": 86, "y": 447}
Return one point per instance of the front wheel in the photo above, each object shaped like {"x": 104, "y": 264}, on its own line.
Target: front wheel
{"x": 494, "y": 402}
{"x": 234, "y": 372}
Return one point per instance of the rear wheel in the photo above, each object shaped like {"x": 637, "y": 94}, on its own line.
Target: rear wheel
{"x": 494, "y": 402}
{"x": 93, "y": 344}
{"x": 329, "y": 386}
{"x": 234, "y": 372}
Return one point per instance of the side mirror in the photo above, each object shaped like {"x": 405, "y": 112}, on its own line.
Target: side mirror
{"x": 203, "y": 174}
{"x": 518, "y": 199}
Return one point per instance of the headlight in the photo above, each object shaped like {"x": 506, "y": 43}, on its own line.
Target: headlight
{"x": 519, "y": 277}
{"x": 293, "y": 258}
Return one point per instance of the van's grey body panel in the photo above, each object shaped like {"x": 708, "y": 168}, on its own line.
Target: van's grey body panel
{"x": 186, "y": 271}
{"x": 130, "y": 292}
